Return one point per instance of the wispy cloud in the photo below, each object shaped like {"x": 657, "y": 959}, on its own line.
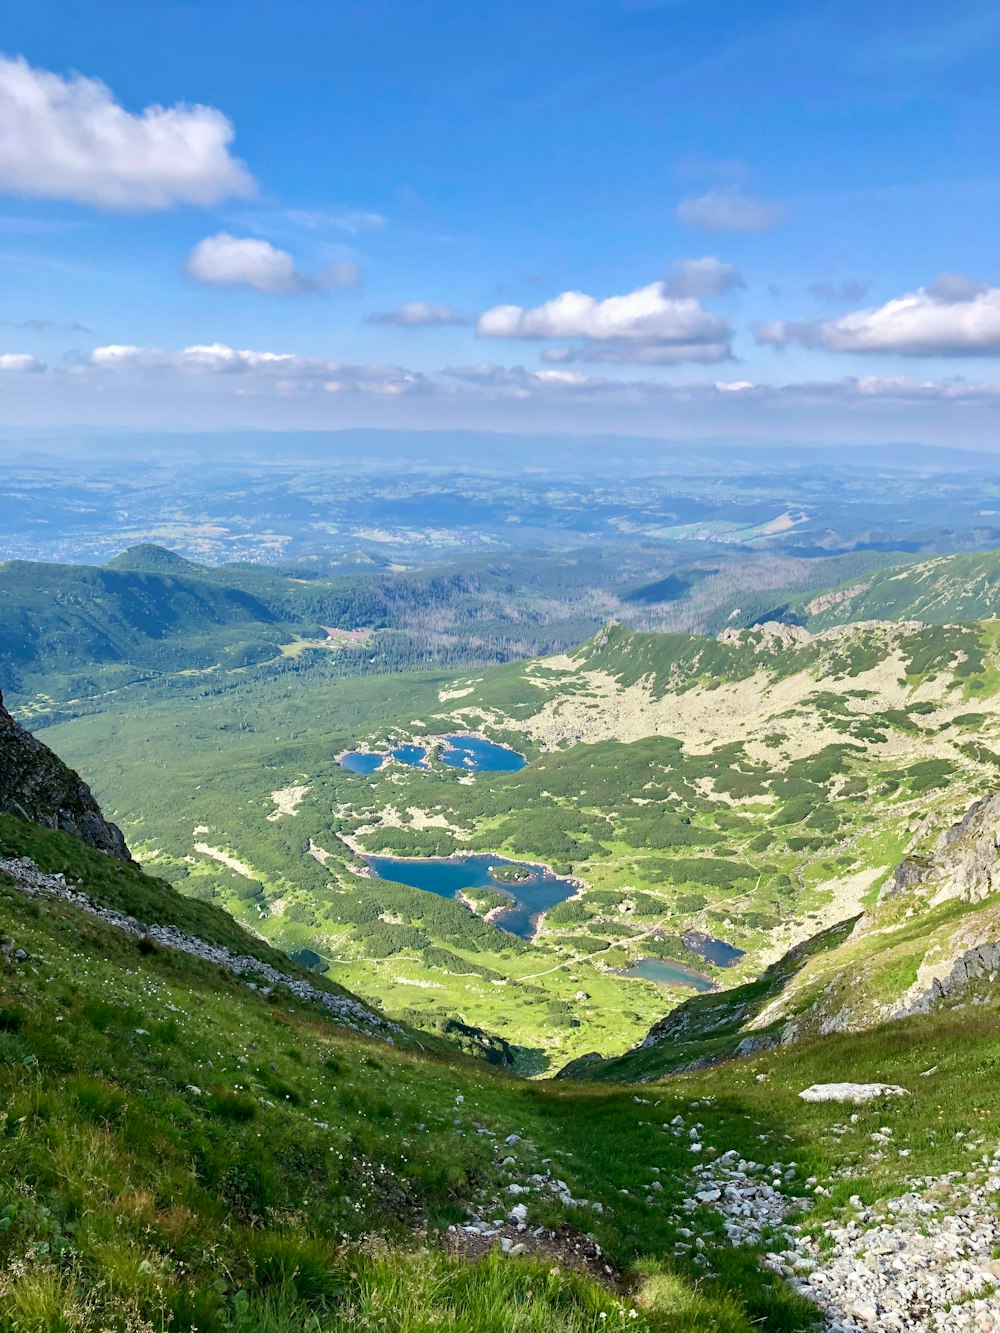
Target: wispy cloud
{"x": 43, "y": 326}
{"x": 699, "y": 278}
{"x": 839, "y": 291}
{"x": 282, "y": 370}
{"x": 352, "y": 221}
{"x": 729, "y": 208}
{"x": 419, "y": 315}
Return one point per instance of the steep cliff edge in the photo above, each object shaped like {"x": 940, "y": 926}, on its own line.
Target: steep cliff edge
{"x": 35, "y": 785}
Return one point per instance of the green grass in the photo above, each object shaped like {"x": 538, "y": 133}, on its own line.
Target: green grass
{"x": 309, "y": 1182}
{"x": 306, "y": 1182}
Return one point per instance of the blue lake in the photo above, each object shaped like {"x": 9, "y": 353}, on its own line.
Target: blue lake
{"x": 360, "y": 761}
{"x": 479, "y": 756}
{"x": 712, "y": 950}
{"x": 447, "y": 876}
{"x": 667, "y": 973}
{"x": 414, "y": 755}
{"x": 470, "y": 753}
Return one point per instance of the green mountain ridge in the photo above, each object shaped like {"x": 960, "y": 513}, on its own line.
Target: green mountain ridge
{"x": 940, "y": 590}
{"x": 146, "y": 558}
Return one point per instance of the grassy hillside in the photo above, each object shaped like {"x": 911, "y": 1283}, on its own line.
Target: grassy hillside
{"x": 756, "y": 788}
{"x": 180, "y": 1151}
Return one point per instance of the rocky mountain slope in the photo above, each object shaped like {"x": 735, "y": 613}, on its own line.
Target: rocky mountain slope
{"x": 35, "y": 785}
{"x": 939, "y": 590}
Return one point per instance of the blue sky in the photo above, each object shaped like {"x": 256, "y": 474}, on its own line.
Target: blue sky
{"x": 671, "y": 218}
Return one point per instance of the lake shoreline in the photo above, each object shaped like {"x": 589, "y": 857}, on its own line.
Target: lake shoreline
{"x": 573, "y": 883}
{"x": 689, "y": 978}
{"x": 433, "y": 748}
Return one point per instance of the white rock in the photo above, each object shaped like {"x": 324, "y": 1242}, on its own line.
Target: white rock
{"x": 851, "y": 1092}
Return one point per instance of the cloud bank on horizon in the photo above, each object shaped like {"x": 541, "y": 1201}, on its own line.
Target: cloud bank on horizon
{"x": 386, "y": 231}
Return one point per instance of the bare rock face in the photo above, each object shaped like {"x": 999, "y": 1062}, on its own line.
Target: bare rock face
{"x": 965, "y": 863}
{"x": 36, "y": 786}
{"x": 967, "y": 859}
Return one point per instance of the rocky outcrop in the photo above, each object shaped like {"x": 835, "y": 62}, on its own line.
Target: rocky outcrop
{"x": 965, "y": 863}
{"x": 36, "y": 786}
{"x": 977, "y": 964}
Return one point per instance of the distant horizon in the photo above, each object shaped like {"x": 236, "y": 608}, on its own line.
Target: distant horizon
{"x": 440, "y": 445}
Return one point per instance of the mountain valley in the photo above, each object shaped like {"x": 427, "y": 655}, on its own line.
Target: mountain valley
{"x": 232, "y": 1141}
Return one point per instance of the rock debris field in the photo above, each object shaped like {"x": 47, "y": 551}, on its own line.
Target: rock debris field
{"x": 33, "y": 883}
{"x": 920, "y": 1261}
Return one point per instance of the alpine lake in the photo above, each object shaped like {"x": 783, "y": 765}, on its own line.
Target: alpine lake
{"x": 532, "y": 889}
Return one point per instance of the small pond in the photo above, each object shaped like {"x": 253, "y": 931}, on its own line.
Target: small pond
{"x": 712, "y": 950}
{"x": 471, "y": 753}
{"x": 448, "y": 876}
{"x": 665, "y": 972}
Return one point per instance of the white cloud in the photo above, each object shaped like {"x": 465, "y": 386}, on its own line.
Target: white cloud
{"x": 857, "y": 391}
{"x": 215, "y": 358}
{"x": 20, "y": 363}
{"x": 517, "y": 382}
{"x": 243, "y": 371}
{"x": 419, "y": 315}
{"x": 703, "y": 277}
{"x": 284, "y": 370}
{"x": 909, "y": 390}
{"x": 727, "y": 208}
{"x": 645, "y": 326}
{"x": 67, "y": 138}
{"x": 239, "y": 261}
{"x": 953, "y": 316}
{"x": 235, "y": 261}
{"x": 852, "y": 392}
